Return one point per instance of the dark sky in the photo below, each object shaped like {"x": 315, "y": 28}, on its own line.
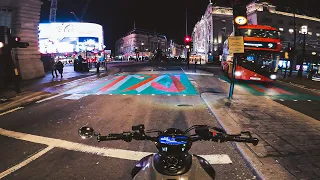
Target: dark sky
{"x": 164, "y": 16}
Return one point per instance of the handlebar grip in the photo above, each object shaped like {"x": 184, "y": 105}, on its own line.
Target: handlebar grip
{"x": 254, "y": 141}
{"x": 107, "y": 138}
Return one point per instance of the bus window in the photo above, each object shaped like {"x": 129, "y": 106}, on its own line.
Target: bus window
{"x": 259, "y": 33}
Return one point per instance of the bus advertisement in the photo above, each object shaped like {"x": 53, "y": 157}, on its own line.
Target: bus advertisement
{"x": 260, "y": 60}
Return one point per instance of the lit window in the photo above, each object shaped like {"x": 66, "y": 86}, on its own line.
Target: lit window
{"x": 290, "y": 30}
{"x": 318, "y": 34}
{"x": 310, "y": 33}
{"x": 281, "y": 29}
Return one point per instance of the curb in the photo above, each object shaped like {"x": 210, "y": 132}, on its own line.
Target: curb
{"x": 259, "y": 169}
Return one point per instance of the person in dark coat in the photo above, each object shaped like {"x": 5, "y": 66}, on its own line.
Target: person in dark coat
{"x": 53, "y": 67}
{"x": 59, "y": 67}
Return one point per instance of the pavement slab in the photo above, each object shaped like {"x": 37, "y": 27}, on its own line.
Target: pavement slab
{"x": 284, "y": 134}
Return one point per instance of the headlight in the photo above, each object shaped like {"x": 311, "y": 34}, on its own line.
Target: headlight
{"x": 238, "y": 73}
{"x": 273, "y": 76}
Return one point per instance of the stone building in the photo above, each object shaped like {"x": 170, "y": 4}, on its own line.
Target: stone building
{"x": 23, "y": 17}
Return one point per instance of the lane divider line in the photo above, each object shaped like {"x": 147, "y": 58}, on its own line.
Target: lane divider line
{"x": 108, "y": 152}
{"x": 25, "y": 162}
{"x": 10, "y": 111}
{"x": 46, "y": 99}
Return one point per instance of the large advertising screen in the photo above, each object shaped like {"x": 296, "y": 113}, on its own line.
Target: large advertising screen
{"x": 70, "y": 37}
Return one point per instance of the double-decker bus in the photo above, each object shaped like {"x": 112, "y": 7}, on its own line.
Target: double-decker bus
{"x": 260, "y": 59}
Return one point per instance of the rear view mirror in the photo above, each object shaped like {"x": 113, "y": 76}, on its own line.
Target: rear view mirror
{"x": 86, "y": 132}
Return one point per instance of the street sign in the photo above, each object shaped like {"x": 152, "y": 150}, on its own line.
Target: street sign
{"x": 236, "y": 44}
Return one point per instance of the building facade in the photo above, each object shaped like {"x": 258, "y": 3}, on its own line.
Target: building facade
{"x": 176, "y": 50}
{"x": 139, "y": 43}
{"x": 23, "y": 17}
{"x": 217, "y": 24}
{"x": 288, "y": 23}
{"x": 211, "y": 31}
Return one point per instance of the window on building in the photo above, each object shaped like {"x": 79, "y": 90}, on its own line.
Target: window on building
{"x": 280, "y": 29}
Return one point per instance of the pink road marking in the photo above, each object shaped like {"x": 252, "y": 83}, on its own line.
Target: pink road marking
{"x": 257, "y": 88}
{"x": 105, "y": 88}
{"x": 176, "y": 85}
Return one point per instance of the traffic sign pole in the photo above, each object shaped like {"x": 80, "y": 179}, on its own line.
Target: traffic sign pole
{"x": 239, "y": 19}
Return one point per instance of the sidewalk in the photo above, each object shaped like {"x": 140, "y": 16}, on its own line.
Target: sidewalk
{"x": 34, "y": 90}
{"x": 289, "y": 146}
{"x": 68, "y": 75}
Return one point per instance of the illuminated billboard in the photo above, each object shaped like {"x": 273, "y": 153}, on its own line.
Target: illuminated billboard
{"x": 70, "y": 37}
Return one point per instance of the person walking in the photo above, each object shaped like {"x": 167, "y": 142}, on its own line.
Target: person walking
{"x": 59, "y": 67}
{"x": 53, "y": 67}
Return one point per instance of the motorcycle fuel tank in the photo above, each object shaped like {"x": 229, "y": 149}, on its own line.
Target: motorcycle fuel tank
{"x": 200, "y": 169}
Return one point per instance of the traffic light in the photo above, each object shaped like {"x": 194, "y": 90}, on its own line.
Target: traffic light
{"x": 289, "y": 47}
{"x": 187, "y": 41}
{"x": 15, "y": 42}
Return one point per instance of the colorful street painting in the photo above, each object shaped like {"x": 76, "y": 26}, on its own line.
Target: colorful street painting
{"x": 143, "y": 84}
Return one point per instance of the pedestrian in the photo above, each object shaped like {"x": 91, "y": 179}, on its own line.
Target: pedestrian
{"x": 53, "y": 67}
{"x": 98, "y": 66}
{"x": 59, "y": 67}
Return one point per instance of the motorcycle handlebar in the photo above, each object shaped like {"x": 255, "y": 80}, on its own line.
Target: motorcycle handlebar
{"x": 220, "y": 137}
{"x": 251, "y": 140}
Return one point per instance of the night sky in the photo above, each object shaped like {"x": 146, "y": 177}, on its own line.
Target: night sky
{"x": 163, "y": 16}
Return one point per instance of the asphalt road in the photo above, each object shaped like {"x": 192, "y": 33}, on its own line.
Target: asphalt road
{"x": 40, "y": 140}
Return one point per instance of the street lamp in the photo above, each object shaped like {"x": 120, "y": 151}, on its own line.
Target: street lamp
{"x": 304, "y": 31}
{"x": 311, "y": 60}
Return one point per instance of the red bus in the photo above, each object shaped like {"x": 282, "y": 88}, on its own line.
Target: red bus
{"x": 260, "y": 59}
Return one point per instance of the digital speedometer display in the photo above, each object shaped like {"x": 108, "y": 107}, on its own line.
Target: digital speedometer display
{"x": 173, "y": 140}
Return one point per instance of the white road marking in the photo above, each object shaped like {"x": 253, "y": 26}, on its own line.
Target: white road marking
{"x": 182, "y": 70}
{"x": 222, "y": 80}
{"x": 168, "y": 94}
{"x": 295, "y": 100}
{"x": 184, "y": 95}
{"x": 124, "y": 94}
{"x": 46, "y": 99}
{"x": 108, "y": 152}
{"x": 76, "y": 96}
{"x": 12, "y": 110}
{"x": 195, "y": 84}
{"x": 217, "y": 158}
{"x": 281, "y": 100}
{"x": 153, "y": 94}
{"x": 199, "y": 74}
{"x": 110, "y": 94}
{"x": 25, "y": 162}
{"x": 309, "y": 100}
{"x": 138, "y": 94}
